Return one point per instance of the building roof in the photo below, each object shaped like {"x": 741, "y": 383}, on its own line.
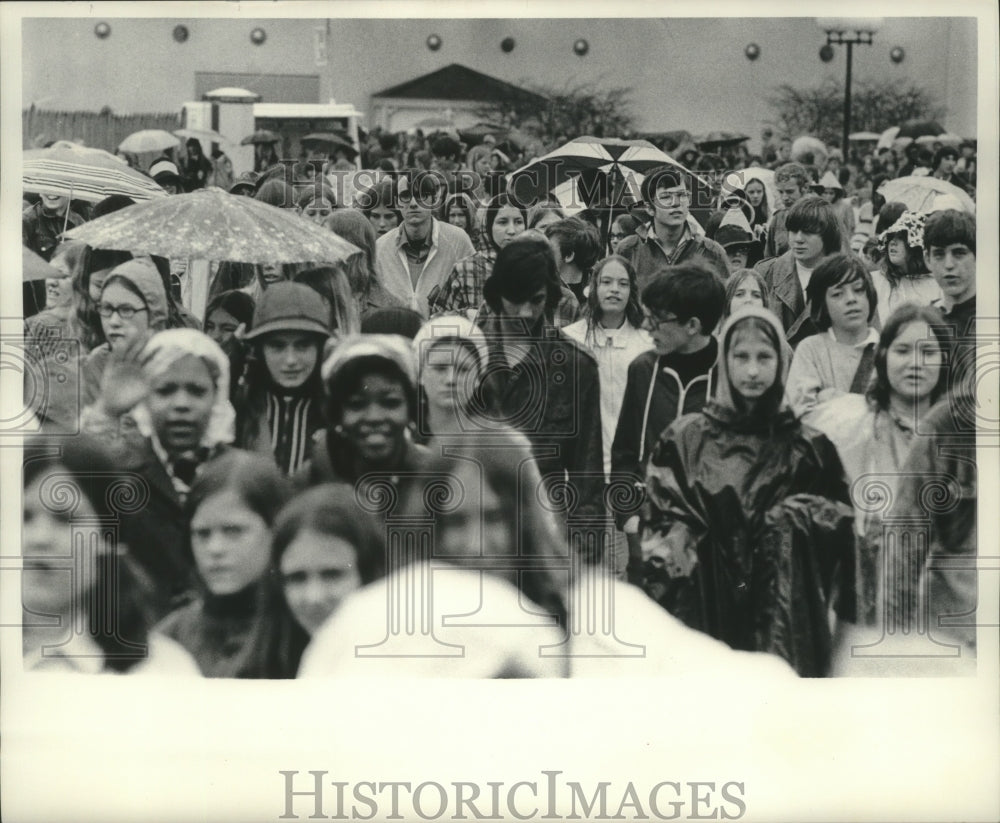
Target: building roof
{"x": 458, "y": 82}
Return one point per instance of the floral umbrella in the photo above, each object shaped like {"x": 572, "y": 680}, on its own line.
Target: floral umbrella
{"x": 211, "y": 224}
{"x": 84, "y": 173}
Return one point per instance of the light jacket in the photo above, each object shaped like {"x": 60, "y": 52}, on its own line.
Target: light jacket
{"x": 449, "y": 244}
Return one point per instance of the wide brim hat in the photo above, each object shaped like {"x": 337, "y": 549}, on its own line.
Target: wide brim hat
{"x": 289, "y": 306}
{"x": 165, "y": 171}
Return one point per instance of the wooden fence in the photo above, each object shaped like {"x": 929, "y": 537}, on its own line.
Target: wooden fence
{"x": 101, "y": 130}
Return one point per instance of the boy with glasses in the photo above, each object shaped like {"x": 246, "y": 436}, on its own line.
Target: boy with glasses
{"x": 669, "y": 239}
{"x": 680, "y": 306}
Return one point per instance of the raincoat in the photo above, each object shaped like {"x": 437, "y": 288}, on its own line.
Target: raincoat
{"x": 747, "y": 528}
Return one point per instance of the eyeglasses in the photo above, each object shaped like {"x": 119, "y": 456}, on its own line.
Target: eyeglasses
{"x": 124, "y": 312}
{"x": 651, "y": 322}
{"x": 670, "y": 198}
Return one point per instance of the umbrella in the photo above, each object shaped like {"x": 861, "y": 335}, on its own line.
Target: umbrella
{"x": 806, "y": 145}
{"x": 719, "y": 139}
{"x": 621, "y": 163}
{"x": 480, "y": 130}
{"x": 84, "y": 174}
{"x": 863, "y": 137}
{"x": 887, "y": 137}
{"x": 210, "y": 224}
{"x": 148, "y": 140}
{"x": 207, "y": 135}
{"x": 919, "y": 193}
{"x": 260, "y": 136}
{"x": 334, "y": 141}
{"x": 918, "y": 128}
{"x": 34, "y": 267}
{"x": 944, "y": 139}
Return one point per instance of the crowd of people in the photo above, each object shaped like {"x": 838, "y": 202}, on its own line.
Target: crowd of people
{"x": 731, "y": 425}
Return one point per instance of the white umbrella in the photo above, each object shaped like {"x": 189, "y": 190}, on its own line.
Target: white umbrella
{"x": 922, "y": 194}
{"x": 886, "y": 138}
{"x": 206, "y": 135}
{"x": 148, "y": 140}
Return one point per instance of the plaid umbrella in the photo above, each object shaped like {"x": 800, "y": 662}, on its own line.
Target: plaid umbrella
{"x": 210, "y": 224}
{"x": 615, "y": 167}
{"x": 84, "y": 174}
{"x": 920, "y": 193}
{"x": 148, "y": 140}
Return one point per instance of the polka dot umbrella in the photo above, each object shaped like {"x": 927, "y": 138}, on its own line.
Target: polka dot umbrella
{"x": 211, "y": 224}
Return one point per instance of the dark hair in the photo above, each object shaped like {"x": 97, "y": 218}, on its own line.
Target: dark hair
{"x": 237, "y": 303}
{"x": 382, "y": 194}
{"x": 425, "y": 186}
{"x": 109, "y": 205}
{"x": 522, "y": 268}
{"x": 392, "y": 320}
{"x": 769, "y": 402}
{"x": 445, "y": 146}
{"x": 945, "y": 228}
{"x": 332, "y": 509}
{"x": 838, "y": 269}
{"x": 733, "y": 283}
{"x": 493, "y": 209}
{"x": 512, "y": 474}
{"x": 761, "y": 212}
{"x": 663, "y": 177}
{"x": 125, "y": 283}
{"x": 628, "y": 223}
{"x": 351, "y": 375}
{"x": 879, "y": 390}
{"x": 316, "y": 192}
{"x": 579, "y": 238}
{"x": 813, "y": 215}
{"x": 254, "y": 478}
{"x": 888, "y": 215}
{"x": 633, "y": 309}
{"x": 276, "y": 193}
{"x": 688, "y": 290}
{"x": 118, "y": 616}
{"x": 464, "y": 202}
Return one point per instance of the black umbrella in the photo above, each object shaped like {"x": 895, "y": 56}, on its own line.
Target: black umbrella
{"x": 331, "y": 140}
{"x": 918, "y": 128}
{"x": 260, "y": 136}
{"x": 719, "y": 139}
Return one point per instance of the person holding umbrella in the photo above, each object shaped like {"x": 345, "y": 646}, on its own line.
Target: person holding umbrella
{"x": 197, "y": 169}
{"x": 669, "y": 240}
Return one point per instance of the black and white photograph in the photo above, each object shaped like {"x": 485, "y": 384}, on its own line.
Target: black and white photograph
{"x": 484, "y": 411}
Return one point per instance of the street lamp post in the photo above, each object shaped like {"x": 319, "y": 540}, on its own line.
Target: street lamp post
{"x": 850, "y": 33}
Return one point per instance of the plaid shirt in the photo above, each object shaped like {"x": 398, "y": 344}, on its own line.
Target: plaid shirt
{"x": 463, "y": 289}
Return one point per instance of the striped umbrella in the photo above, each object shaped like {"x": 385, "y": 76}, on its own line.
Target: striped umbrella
{"x": 83, "y": 173}
{"x": 211, "y": 224}
{"x": 608, "y": 168}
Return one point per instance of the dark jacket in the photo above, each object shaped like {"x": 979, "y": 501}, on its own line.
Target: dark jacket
{"x": 649, "y": 259}
{"x": 40, "y": 232}
{"x": 729, "y": 552}
{"x": 654, "y": 398}
{"x": 788, "y": 299}
{"x": 553, "y": 398}
{"x": 160, "y": 527}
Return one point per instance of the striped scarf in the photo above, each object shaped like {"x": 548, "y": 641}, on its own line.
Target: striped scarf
{"x": 288, "y": 422}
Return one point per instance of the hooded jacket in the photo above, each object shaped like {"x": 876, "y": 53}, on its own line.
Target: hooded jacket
{"x": 747, "y": 527}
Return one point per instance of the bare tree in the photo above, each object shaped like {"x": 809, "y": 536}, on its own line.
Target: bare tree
{"x": 875, "y": 107}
